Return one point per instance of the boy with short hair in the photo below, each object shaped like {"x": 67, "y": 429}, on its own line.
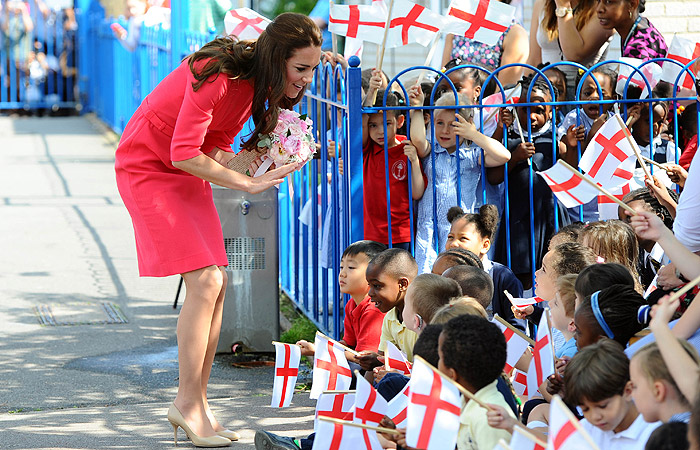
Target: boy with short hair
{"x": 389, "y": 275}
{"x": 424, "y": 296}
{"x": 400, "y": 152}
{"x": 473, "y": 353}
{"x": 474, "y": 282}
{"x": 363, "y": 322}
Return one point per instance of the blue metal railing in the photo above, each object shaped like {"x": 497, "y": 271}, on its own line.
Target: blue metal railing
{"x": 114, "y": 82}
{"x": 38, "y": 63}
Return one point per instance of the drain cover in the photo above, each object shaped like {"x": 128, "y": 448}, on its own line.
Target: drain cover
{"x": 79, "y": 313}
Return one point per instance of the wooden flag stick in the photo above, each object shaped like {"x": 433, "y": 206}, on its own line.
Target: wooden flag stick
{"x": 513, "y": 329}
{"x": 334, "y": 41}
{"x": 461, "y": 388}
{"x": 359, "y": 425}
{"x": 525, "y": 431}
{"x": 685, "y": 289}
{"x": 604, "y": 191}
{"x": 575, "y": 422}
{"x": 380, "y": 51}
{"x": 520, "y": 130}
{"x": 429, "y": 58}
{"x": 654, "y": 163}
{"x": 345, "y": 347}
{"x": 549, "y": 325}
{"x": 632, "y": 142}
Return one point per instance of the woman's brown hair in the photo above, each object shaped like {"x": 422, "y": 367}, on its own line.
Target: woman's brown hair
{"x": 263, "y": 60}
{"x": 582, "y": 14}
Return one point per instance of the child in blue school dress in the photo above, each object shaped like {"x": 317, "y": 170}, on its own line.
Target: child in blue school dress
{"x": 455, "y": 153}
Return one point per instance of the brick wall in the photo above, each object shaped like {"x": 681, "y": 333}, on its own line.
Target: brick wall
{"x": 680, "y": 17}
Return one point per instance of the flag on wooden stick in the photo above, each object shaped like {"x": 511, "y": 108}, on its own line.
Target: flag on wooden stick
{"x": 245, "y": 23}
{"x": 287, "y": 357}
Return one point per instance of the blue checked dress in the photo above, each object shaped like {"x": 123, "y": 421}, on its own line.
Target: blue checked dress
{"x": 442, "y": 186}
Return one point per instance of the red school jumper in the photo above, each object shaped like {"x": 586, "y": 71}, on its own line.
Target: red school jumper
{"x": 374, "y": 190}
{"x": 363, "y": 325}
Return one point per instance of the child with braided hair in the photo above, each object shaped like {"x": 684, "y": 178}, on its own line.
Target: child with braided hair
{"x": 475, "y": 232}
{"x": 455, "y": 257}
{"x": 610, "y": 312}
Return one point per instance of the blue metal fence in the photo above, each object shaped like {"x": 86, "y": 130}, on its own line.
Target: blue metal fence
{"x": 323, "y": 211}
{"x": 37, "y": 58}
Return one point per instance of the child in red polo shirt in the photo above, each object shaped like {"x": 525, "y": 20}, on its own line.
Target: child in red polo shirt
{"x": 363, "y": 321}
{"x": 400, "y": 152}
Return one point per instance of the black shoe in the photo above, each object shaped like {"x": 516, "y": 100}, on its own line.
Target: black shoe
{"x": 269, "y": 441}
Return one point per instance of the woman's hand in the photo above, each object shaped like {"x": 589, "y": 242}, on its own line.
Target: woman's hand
{"x": 273, "y": 177}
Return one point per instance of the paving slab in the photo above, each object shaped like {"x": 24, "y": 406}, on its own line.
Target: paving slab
{"x": 66, "y": 240}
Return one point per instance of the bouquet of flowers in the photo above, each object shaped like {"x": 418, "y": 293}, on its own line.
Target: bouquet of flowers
{"x": 292, "y": 140}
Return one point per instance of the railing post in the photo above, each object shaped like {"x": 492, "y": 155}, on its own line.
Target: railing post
{"x": 178, "y": 25}
{"x": 354, "y": 166}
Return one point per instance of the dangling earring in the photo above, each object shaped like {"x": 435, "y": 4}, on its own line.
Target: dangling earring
{"x": 630, "y": 13}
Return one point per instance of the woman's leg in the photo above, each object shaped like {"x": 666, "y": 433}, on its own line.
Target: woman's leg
{"x": 211, "y": 349}
{"x": 194, "y": 326}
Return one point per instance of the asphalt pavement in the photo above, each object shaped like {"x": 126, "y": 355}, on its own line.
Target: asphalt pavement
{"x": 67, "y": 255}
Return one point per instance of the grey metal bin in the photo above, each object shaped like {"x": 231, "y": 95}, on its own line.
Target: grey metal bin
{"x": 251, "y": 307}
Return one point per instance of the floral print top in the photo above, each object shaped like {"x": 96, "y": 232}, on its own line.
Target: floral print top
{"x": 469, "y": 50}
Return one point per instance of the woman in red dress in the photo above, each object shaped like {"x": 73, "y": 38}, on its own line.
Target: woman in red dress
{"x": 177, "y": 142}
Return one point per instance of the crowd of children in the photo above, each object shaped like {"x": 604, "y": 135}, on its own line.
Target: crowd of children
{"x": 606, "y": 286}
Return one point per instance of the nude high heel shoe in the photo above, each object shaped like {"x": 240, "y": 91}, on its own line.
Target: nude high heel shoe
{"x": 176, "y": 420}
{"x": 228, "y": 434}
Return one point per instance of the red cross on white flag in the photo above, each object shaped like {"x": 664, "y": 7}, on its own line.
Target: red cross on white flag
{"x": 398, "y": 407}
{"x": 515, "y": 343}
{"x": 245, "y": 23}
{"x": 609, "y": 158}
{"x": 334, "y": 436}
{"x": 608, "y": 209}
{"x": 480, "y": 20}
{"x": 365, "y": 22}
{"x": 650, "y": 71}
{"x": 331, "y": 368}
{"x": 684, "y": 51}
{"x": 570, "y": 190}
{"x": 542, "y": 363}
{"x": 433, "y": 410}
{"x": 336, "y": 406}
{"x": 370, "y": 408}
{"x": 519, "y": 382}
{"x": 523, "y": 440}
{"x": 565, "y": 432}
{"x": 287, "y": 358}
{"x": 412, "y": 23}
{"x": 395, "y": 359}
